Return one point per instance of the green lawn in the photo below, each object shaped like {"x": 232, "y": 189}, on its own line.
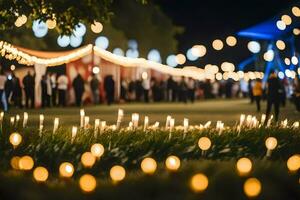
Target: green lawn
{"x": 226, "y": 110}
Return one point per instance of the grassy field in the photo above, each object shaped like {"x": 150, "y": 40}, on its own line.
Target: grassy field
{"x": 226, "y": 110}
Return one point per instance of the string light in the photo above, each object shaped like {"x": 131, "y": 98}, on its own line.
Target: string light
{"x": 296, "y": 31}
{"x": 96, "y": 27}
{"x": 280, "y": 44}
{"x": 180, "y": 59}
{"x": 148, "y": 165}
{"x": 87, "y": 159}
{"x": 15, "y": 139}
{"x": 14, "y": 162}
{"x": 231, "y": 41}
{"x": 244, "y": 166}
{"x": 217, "y": 44}
{"x": 66, "y": 170}
{"x": 252, "y": 187}
{"x": 199, "y": 182}
{"x": 204, "y": 143}
{"x": 271, "y": 143}
{"x": 280, "y": 25}
{"x": 40, "y": 174}
{"x": 26, "y": 163}
{"x": 293, "y": 163}
{"x": 97, "y": 150}
{"x": 117, "y": 173}
{"x": 87, "y": 183}
{"x": 51, "y": 24}
{"x": 172, "y": 163}
{"x": 296, "y": 11}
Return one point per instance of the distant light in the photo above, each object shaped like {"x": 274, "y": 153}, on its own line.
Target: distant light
{"x": 286, "y": 19}
{"x": 21, "y": 20}
{"x": 204, "y": 143}
{"x": 287, "y": 61}
{"x": 97, "y": 149}
{"x": 87, "y": 183}
{"x": 280, "y": 25}
{"x": 180, "y": 59}
{"x": 148, "y": 165}
{"x": 144, "y": 75}
{"x": 40, "y": 174}
{"x": 252, "y": 187}
{"x": 269, "y": 55}
{"x": 171, "y": 61}
{"x": 9, "y": 77}
{"x": 244, "y": 166}
{"x": 231, "y": 41}
{"x": 296, "y": 31}
{"x": 294, "y": 60}
{"x": 288, "y": 73}
{"x": 281, "y": 75}
{"x": 96, "y": 70}
{"x": 63, "y": 41}
{"x": 118, "y": 51}
{"x": 39, "y": 28}
{"x": 15, "y": 139}
{"x": 190, "y": 56}
{"x": 132, "y": 53}
{"x": 219, "y": 76}
{"x": 172, "y": 163}
{"x": 102, "y": 42}
{"x": 87, "y": 159}
{"x": 199, "y": 182}
{"x": 132, "y": 44}
{"x": 227, "y": 67}
{"x": 26, "y": 163}
{"x": 217, "y": 44}
{"x": 75, "y": 41}
{"x": 96, "y": 27}
{"x": 80, "y": 30}
{"x": 254, "y": 47}
{"x": 296, "y": 11}
{"x": 51, "y": 24}
{"x": 12, "y": 67}
{"x": 271, "y": 143}
{"x": 199, "y": 50}
{"x": 66, "y": 170}
{"x": 293, "y": 163}
{"x": 117, "y": 173}
{"x": 280, "y": 44}
{"x": 154, "y": 56}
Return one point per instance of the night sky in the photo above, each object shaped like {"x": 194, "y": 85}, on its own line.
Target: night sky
{"x": 205, "y": 21}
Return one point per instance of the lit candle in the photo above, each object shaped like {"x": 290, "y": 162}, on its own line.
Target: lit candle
{"x": 168, "y": 121}
{"x": 135, "y": 120}
{"x": 1, "y": 116}
{"x": 172, "y": 123}
{"x": 103, "y": 126}
{"x": 120, "y": 118}
{"x": 130, "y": 126}
{"x": 271, "y": 144}
{"x": 248, "y": 120}
{"x": 86, "y": 122}
{"x": 295, "y": 125}
{"x": 156, "y": 125}
{"x": 42, "y": 120}
{"x": 207, "y": 124}
{"x": 242, "y": 119}
{"x": 74, "y": 133}
{"x": 284, "y": 123}
{"x": 96, "y": 130}
{"x": 17, "y": 119}
{"x": 270, "y": 121}
{"x": 146, "y": 123}
{"x": 82, "y": 114}
{"x": 56, "y": 123}
{"x": 263, "y": 119}
{"x": 12, "y": 120}
{"x": 25, "y": 119}
{"x": 185, "y": 125}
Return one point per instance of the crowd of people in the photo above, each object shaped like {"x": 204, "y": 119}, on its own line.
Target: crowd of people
{"x": 55, "y": 88}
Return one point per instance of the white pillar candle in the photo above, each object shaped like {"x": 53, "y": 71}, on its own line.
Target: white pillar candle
{"x": 1, "y": 116}
{"x": 17, "y": 119}
{"x": 207, "y": 124}
{"x": 42, "y": 120}
{"x": 168, "y": 121}
{"x": 120, "y": 118}
{"x": 86, "y": 122}
{"x": 74, "y": 133}
{"x": 25, "y": 119}
{"x": 96, "y": 130}
{"x": 242, "y": 119}
{"x": 172, "y": 124}
{"x": 12, "y": 120}
{"x": 135, "y": 119}
{"x": 248, "y": 120}
{"x": 82, "y": 114}
{"x": 284, "y": 123}
{"x": 156, "y": 125}
{"x": 130, "y": 126}
{"x": 146, "y": 122}
{"x": 270, "y": 121}
{"x": 295, "y": 125}
{"x": 263, "y": 119}
{"x": 56, "y": 124}
{"x": 185, "y": 125}
{"x": 103, "y": 126}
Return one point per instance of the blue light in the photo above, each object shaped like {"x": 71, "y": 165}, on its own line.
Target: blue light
{"x": 63, "y": 41}
{"x": 190, "y": 55}
{"x": 154, "y": 55}
{"x": 102, "y": 42}
{"x": 130, "y": 53}
{"x": 171, "y": 61}
{"x": 118, "y": 51}
{"x": 75, "y": 41}
{"x": 132, "y": 44}
{"x": 39, "y": 28}
{"x": 80, "y": 30}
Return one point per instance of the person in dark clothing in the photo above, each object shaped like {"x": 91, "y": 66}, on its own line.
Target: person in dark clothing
{"x": 139, "y": 90}
{"x": 45, "y": 95}
{"x": 109, "y": 87}
{"x": 28, "y": 83}
{"x": 296, "y": 94}
{"x": 171, "y": 89}
{"x": 9, "y": 85}
{"x": 228, "y": 88}
{"x": 273, "y": 96}
{"x": 16, "y": 92}
{"x": 250, "y": 91}
{"x": 183, "y": 90}
{"x": 78, "y": 85}
{"x": 95, "y": 88}
{"x": 53, "y": 81}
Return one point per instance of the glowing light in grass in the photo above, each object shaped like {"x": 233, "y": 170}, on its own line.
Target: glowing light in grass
{"x": 51, "y": 24}
{"x": 217, "y": 44}
{"x": 204, "y": 143}
{"x": 96, "y": 127}
{"x": 86, "y": 122}
{"x": 87, "y": 159}
{"x": 74, "y": 133}
{"x": 293, "y": 163}
{"x": 199, "y": 182}
{"x": 244, "y": 166}
{"x": 25, "y": 119}
{"x": 252, "y": 187}
{"x": 66, "y": 170}
{"x": 271, "y": 144}
{"x": 97, "y": 150}
{"x": 117, "y": 173}
{"x": 56, "y": 124}
{"x": 87, "y": 183}
{"x": 146, "y": 123}
{"x": 40, "y": 174}
{"x": 15, "y": 139}
{"x": 148, "y": 165}
{"x": 185, "y": 125}
{"x": 172, "y": 163}
{"x": 82, "y": 114}
{"x": 14, "y": 162}
{"x": 26, "y": 163}
{"x": 135, "y": 119}
{"x": 96, "y": 27}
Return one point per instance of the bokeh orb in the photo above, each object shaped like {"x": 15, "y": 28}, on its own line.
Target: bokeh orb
{"x": 102, "y": 42}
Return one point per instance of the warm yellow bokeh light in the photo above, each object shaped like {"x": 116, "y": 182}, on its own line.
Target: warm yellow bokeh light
{"x": 15, "y": 139}
{"x": 26, "y": 163}
{"x": 96, "y": 27}
{"x": 87, "y": 183}
{"x": 231, "y": 41}
{"x": 51, "y": 24}
{"x": 293, "y": 163}
{"x": 217, "y": 44}
{"x": 204, "y": 143}
{"x": 180, "y": 59}
{"x": 252, "y": 187}
{"x": 271, "y": 143}
{"x": 87, "y": 159}
{"x": 296, "y": 31}
{"x": 117, "y": 173}
{"x": 172, "y": 163}
{"x": 14, "y": 162}
{"x": 97, "y": 150}
{"x": 40, "y": 174}
{"x": 296, "y": 11}
{"x": 198, "y": 50}
{"x": 148, "y": 165}
{"x": 66, "y": 169}
{"x": 199, "y": 182}
{"x": 280, "y": 44}
{"x": 244, "y": 166}
{"x": 286, "y": 19}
